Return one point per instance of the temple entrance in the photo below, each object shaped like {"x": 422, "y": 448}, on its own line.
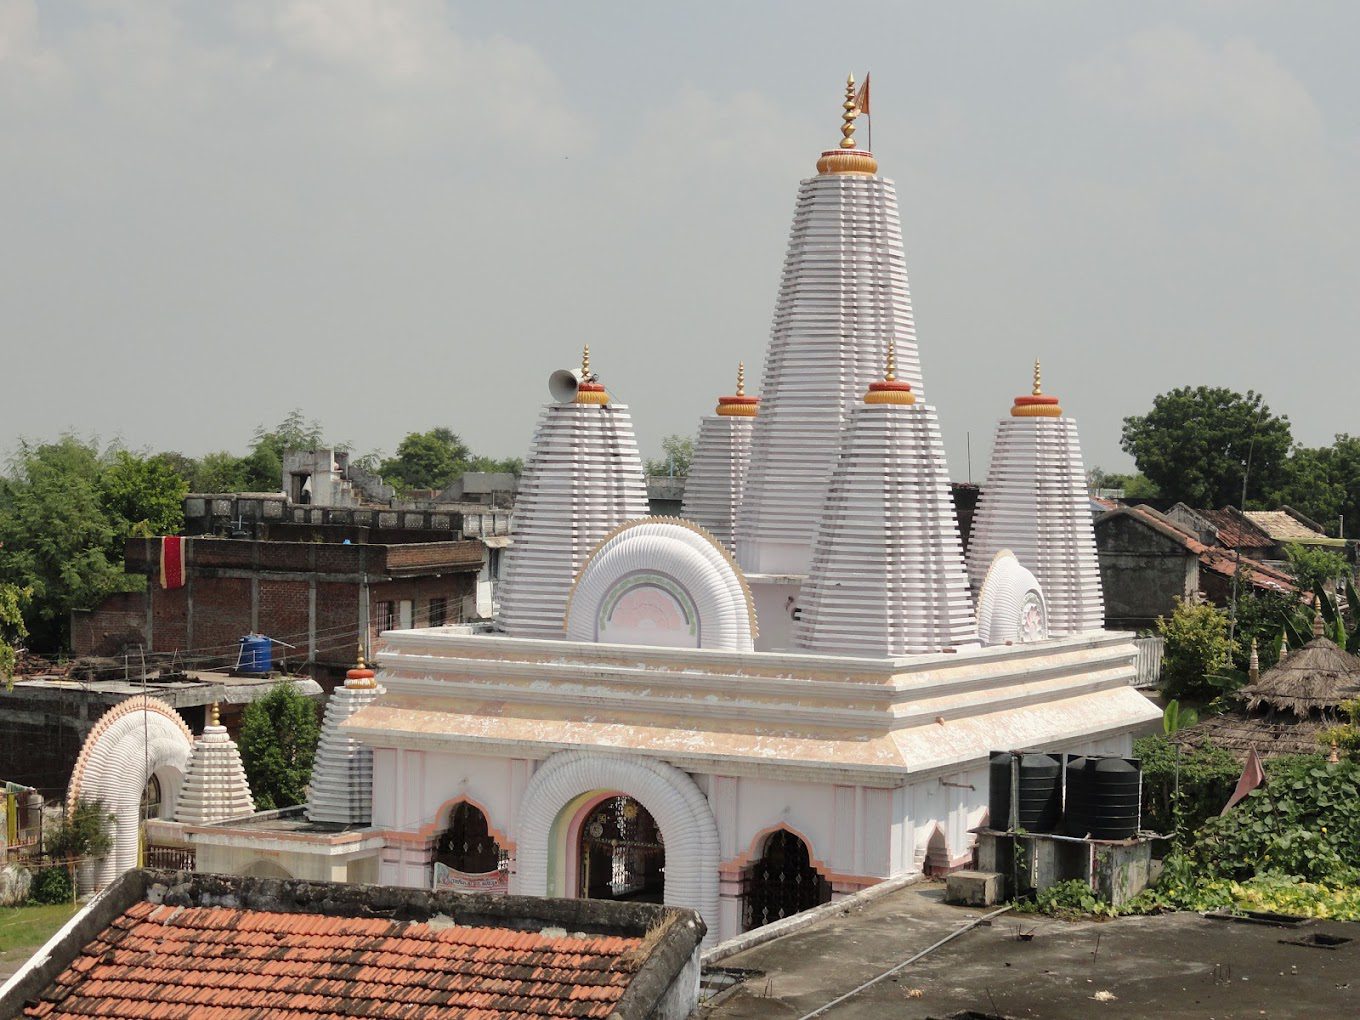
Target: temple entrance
{"x": 621, "y": 854}
{"x": 782, "y": 882}
{"x": 467, "y": 857}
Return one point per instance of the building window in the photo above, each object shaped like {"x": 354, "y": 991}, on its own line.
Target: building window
{"x": 467, "y": 844}
{"x": 387, "y": 616}
{"x": 151, "y": 798}
{"x": 406, "y": 614}
{"x": 782, "y": 882}
{"x": 439, "y": 612}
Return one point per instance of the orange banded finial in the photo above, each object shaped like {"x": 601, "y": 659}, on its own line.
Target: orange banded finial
{"x": 889, "y": 390}
{"x": 590, "y": 391}
{"x": 1036, "y": 405}
{"x": 739, "y": 405}
{"x": 360, "y": 675}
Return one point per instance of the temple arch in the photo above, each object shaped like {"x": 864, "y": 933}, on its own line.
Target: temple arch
{"x": 554, "y": 794}
{"x": 132, "y": 742}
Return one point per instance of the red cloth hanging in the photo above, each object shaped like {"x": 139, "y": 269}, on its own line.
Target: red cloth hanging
{"x": 172, "y": 561}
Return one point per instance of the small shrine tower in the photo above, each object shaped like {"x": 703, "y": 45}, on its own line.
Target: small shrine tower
{"x": 1036, "y": 505}
{"x": 722, "y": 456}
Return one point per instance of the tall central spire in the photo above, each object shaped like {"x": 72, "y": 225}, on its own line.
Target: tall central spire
{"x": 843, "y": 302}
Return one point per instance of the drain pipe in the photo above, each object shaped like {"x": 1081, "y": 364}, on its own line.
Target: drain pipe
{"x": 905, "y": 963}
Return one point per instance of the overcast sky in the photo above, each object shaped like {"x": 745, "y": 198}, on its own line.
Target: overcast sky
{"x": 396, "y": 215}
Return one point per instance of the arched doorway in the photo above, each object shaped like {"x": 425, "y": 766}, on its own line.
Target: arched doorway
{"x": 782, "y": 882}
{"x": 467, "y": 857}
{"x": 620, "y": 853}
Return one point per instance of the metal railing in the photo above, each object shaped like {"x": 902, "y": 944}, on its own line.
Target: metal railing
{"x": 171, "y": 858}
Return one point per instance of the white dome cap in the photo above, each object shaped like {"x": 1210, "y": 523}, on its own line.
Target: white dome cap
{"x": 1011, "y": 606}
{"x": 662, "y": 581}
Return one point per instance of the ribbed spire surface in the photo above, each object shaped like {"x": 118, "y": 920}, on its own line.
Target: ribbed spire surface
{"x": 583, "y": 478}
{"x": 843, "y": 299}
{"x": 215, "y": 787}
{"x": 1035, "y": 504}
{"x": 717, "y": 474}
{"x": 341, "y": 791}
{"x": 887, "y": 575}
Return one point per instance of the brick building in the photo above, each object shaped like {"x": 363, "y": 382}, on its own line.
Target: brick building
{"x": 316, "y": 598}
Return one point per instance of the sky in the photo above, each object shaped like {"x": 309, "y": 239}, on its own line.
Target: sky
{"x": 401, "y": 214}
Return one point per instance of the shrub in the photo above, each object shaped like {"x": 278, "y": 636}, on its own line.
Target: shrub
{"x": 52, "y": 885}
{"x": 1197, "y": 647}
{"x": 1205, "y": 776}
{"x": 84, "y": 832}
{"x": 278, "y": 744}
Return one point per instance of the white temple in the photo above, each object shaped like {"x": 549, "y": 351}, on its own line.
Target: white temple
{"x": 214, "y": 787}
{"x": 749, "y": 736}
{"x": 1035, "y": 504}
{"x": 341, "y": 791}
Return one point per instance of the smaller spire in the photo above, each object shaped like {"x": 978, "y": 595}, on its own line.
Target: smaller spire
{"x": 589, "y": 391}
{"x": 890, "y": 391}
{"x": 1284, "y": 648}
{"x": 1254, "y": 664}
{"x": 1036, "y": 404}
{"x": 1318, "y": 628}
{"x": 360, "y": 676}
{"x": 739, "y": 405}
{"x": 214, "y": 717}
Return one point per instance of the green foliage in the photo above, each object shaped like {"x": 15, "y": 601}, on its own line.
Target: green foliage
{"x": 52, "y": 885}
{"x": 142, "y": 496}
{"x": 1134, "y": 486}
{"x": 1324, "y": 482}
{"x": 1260, "y": 616}
{"x": 1183, "y": 786}
{"x": 677, "y": 455}
{"x": 1314, "y": 567}
{"x": 262, "y": 468}
{"x": 57, "y": 537}
{"x": 1068, "y": 900}
{"x": 1197, "y": 648}
{"x": 427, "y": 460}
{"x": 1345, "y": 735}
{"x": 84, "y": 832}
{"x": 278, "y": 745}
{"x": 1195, "y": 442}
{"x": 1175, "y": 718}
{"x": 12, "y": 629}
{"x": 222, "y": 471}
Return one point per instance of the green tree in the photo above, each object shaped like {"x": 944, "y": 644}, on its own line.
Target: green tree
{"x": 262, "y": 468}
{"x": 427, "y": 460}
{"x": 1134, "y": 486}
{"x": 1323, "y": 482}
{"x": 12, "y": 629}
{"x": 278, "y": 745}
{"x": 56, "y": 536}
{"x": 1314, "y": 567}
{"x": 677, "y": 452}
{"x": 142, "y": 496}
{"x": 222, "y": 471}
{"x": 1195, "y": 443}
{"x": 83, "y": 832}
{"x": 1197, "y": 648}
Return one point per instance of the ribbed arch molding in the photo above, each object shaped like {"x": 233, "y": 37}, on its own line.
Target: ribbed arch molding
{"x": 1035, "y": 504}
{"x": 665, "y": 582}
{"x": 1011, "y": 605}
{"x": 132, "y": 741}
{"x": 675, "y": 803}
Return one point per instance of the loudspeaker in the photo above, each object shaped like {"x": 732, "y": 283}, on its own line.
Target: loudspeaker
{"x": 563, "y": 384}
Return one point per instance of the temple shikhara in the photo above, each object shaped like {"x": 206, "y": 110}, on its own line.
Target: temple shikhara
{"x": 783, "y": 696}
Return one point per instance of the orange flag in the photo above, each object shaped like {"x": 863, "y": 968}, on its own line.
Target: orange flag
{"x": 862, "y": 96}
{"x": 1252, "y": 777}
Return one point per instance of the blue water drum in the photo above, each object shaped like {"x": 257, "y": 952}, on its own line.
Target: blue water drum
{"x": 257, "y": 654}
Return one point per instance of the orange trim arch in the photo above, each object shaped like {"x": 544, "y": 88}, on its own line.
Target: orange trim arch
{"x": 757, "y": 848}
{"x": 444, "y": 814}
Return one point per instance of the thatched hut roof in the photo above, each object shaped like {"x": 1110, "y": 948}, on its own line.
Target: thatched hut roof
{"x": 1283, "y": 733}
{"x": 1315, "y": 679}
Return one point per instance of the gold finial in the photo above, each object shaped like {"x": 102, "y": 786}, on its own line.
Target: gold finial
{"x": 1317, "y": 621}
{"x": 214, "y": 716}
{"x": 585, "y": 362}
{"x": 891, "y": 375}
{"x": 359, "y": 658}
{"x": 741, "y": 378}
{"x": 1254, "y": 663}
{"x": 1038, "y": 388}
{"x": 889, "y": 390}
{"x": 848, "y": 117}
{"x": 1036, "y": 404}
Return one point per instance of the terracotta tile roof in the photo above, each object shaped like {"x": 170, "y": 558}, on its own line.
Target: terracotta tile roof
{"x": 1283, "y": 526}
{"x": 1220, "y": 561}
{"x": 218, "y": 963}
{"x": 1235, "y": 530}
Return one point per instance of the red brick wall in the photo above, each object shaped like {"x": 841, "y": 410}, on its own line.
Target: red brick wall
{"x": 119, "y": 621}
{"x": 221, "y": 618}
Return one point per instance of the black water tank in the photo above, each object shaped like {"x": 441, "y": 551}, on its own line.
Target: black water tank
{"x": 1040, "y": 793}
{"x": 1077, "y": 805}
{"x": 1113, "y": 789}
{"x": 999, "y": 790}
